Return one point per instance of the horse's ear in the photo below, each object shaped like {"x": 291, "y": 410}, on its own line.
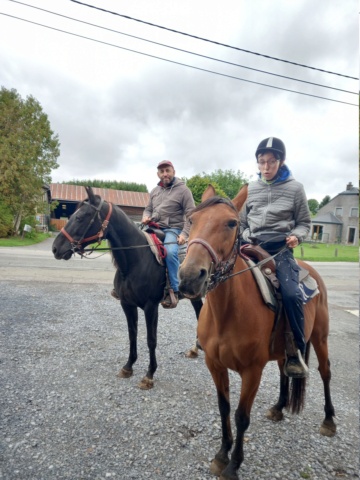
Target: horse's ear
{"x": 241, "y": 197}
{"x": 209, "y": 192}
{"x": 91, "y": 195}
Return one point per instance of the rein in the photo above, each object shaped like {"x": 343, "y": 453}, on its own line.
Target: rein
{"x": 220, "y": 271}
{"x": 76, "y": 244}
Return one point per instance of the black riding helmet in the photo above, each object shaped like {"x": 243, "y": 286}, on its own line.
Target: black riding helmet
{"x": 272, "y": 144}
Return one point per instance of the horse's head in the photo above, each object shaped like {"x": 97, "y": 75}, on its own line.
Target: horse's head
{"x": 87, "y": 225}
{"x": 213, "y": 234}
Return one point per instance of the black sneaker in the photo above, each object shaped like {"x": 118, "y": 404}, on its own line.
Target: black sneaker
{"x": 295, "y": 367}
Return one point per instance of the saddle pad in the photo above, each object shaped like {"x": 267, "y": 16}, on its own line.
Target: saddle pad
{"x": 308, "y": 286}
{"x": 154, "y": 248}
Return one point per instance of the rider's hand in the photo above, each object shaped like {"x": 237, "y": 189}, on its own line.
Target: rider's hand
{"x": 146, "y": 220}
{"x": 181, "y": 240}
{"x": 292, "y": 241}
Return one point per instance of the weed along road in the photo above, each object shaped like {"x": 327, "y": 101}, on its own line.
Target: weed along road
{"x": 66, "y": 415}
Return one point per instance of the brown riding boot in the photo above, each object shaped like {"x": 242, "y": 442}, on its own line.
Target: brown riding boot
{"x": 114, "y": 294}
{"x": 171, "y": 299}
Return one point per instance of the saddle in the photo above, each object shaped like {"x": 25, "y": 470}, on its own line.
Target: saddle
{"x": 266, "y": 279}
{"x": 268, "y": 284}
{"x": 153, "y": 228}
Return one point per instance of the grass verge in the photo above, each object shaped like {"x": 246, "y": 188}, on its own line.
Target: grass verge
{"x": 322, "y": 252}
{"x": 24, "y": 242}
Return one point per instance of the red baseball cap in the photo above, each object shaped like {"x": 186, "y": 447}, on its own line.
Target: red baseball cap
{"x": 165, "y": 163}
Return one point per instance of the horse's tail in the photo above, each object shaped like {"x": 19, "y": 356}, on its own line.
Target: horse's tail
{"x": 298, "y": 389}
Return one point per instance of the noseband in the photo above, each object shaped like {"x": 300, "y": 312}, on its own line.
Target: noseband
{"x": 76, "y": 245}
{"x": 220, "y": 269}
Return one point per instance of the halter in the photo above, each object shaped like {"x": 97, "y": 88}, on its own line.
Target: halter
{"x": 220, "y": 269}
{"x": 76, "y": 245}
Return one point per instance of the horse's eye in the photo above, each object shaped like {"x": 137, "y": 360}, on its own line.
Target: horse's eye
{"x": 190, "y": 220}
{"x": 232, "y": 224}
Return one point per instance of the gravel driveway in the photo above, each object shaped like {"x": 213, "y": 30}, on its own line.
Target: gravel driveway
{"x": 66, "y": 415}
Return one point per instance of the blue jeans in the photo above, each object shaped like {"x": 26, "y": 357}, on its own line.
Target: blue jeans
{"x": 287, "y": 271}
{"x": 172, "y": 259}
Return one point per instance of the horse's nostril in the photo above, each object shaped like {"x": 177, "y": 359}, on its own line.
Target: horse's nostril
{"x": 203, "y": 273}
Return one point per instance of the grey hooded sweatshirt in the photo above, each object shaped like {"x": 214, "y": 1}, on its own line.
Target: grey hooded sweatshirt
{"x": 279, "y": 207}
{"x": 168, "y": 206}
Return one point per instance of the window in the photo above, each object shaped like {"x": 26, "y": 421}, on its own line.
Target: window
{"x": 354, "y": 212}
{"x": 338, "y": 211}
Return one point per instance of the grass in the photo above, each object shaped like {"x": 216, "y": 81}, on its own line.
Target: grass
{"x": 312, "y": 252}
{"x": 323, "y": 252}
{"x": 24, "y": 242}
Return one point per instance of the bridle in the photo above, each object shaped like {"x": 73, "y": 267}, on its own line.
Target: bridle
{"x": 220, "y": 269}
{"x": 76, "y": 245}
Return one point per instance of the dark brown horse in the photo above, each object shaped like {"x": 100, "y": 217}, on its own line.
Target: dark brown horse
{"x": 235, "y": 326}
{"x": 139, "y": 279}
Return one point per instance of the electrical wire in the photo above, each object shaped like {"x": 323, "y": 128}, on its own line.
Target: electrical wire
{"x": 210, "y": 41}
{"x": 186, "y": 51}
{"x": 178, "y": 63}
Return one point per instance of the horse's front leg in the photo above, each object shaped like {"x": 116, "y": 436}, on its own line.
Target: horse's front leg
{"x": 221, "y": 380}
{"x": 249, "y": 387}
{"x": 131, "y": 314}
{"x": 275, "y": 412}
{"x": 151, "y": 311}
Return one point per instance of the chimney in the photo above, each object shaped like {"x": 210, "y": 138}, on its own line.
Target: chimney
{"x": 349, "y": 186}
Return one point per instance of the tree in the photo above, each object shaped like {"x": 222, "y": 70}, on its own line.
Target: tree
{"x": 228, "y": 180}
{"x": 324, "y": 201}
{"x": 28, "y": 152}
{"x": 313, "y": 205}
{"x": 113, "y": 184}
{"x": 198, "y": 184}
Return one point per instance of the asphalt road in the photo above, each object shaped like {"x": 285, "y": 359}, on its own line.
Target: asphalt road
{"x": 58, "y": 326}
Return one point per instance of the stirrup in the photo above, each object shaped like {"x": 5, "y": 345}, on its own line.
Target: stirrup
{"x": 170, "y": 300}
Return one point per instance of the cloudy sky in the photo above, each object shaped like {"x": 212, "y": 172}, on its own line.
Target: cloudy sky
{"x": 118, "y": 112}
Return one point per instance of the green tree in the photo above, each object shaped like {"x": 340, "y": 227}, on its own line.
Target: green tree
{"x": 228, "y": 180}
{"x": 28, "y": 152}
{"x": 313, "y": 205}
{"x": 324, "y": 201}
{"x": 197, "y": 184}
{"x": 113, "y": 184}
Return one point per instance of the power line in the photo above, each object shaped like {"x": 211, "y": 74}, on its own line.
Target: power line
{"x": 210, "y": 41}
{"x": 177, "y": 63}
{"x": 186, "y": 51}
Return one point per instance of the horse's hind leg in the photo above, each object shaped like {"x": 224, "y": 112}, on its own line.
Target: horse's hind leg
{"x": 131, "y": 314}
{"x": 275, "y": 412}
{"x": 194, "y": 350}
{"x": 151, "y": 317}
{"x": 320, "y": 344}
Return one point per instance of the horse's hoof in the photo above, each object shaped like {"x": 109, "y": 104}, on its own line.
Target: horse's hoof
{"x": 328, "y": 429}
{"x": 146, "y": 384}
{"x": 217, "y": 466}
{"x": 274, "y": 415}
{"x": 192, "y": 353}
{"x": 125, "y": 373}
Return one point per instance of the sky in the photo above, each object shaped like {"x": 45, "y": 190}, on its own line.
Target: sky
{"x": 118, "y": 113}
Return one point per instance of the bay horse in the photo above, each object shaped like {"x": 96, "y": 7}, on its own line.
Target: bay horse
{"x": 235, "y": 326}
{"x": 139, "y": 278}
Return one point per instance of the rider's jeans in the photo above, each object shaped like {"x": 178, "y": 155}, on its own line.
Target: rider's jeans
{"x": 172, "y": 259}
{"x": 287, "y": 271}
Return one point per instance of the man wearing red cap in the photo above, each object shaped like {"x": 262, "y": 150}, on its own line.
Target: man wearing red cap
{"x": 170, "y": 202}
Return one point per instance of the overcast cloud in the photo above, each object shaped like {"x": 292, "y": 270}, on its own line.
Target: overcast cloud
{"x": 118, "y": 113}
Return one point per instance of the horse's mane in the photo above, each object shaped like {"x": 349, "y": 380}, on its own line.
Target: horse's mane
{"x": 213, "y": 201}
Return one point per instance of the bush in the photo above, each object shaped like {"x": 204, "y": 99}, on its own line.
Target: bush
{"x": 6, "y": 221}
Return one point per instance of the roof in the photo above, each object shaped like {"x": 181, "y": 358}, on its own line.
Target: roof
{"x": 350, "y": 191}
{"x": 326, "y": 218}
{"x": 76, "y": 193}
